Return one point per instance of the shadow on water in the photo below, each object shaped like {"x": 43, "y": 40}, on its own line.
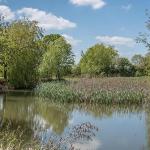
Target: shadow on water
{"x": 44, "y": 119}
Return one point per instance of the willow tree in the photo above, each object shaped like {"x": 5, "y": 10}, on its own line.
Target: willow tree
{"x": 4, "y": 51}
{"x": 22, "y": 53}
{"x": 58, "y": 58}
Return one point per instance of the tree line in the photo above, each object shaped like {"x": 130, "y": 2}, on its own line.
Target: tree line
{"x": 28, "y": 56}
{"x": 101, "y": 60}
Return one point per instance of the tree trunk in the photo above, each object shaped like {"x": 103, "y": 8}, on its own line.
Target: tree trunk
{"x": 58, "y": 76}
{"x": 5, "y": 72}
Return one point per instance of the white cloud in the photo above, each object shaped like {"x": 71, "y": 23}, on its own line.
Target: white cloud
{"x": 95, "y": 4}
{"x": 71, "y": 40}
{"x": 46, "y": 20}
{"x": 6, "y": 12}
{"x": 116, "y": 40}
{"x": 127, "y": 7}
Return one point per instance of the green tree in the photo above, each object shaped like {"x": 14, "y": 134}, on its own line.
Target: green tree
{"x": 50, "y": 39}
{"x": 147, "y": 65}
{"x": 58, "y": 58}
{"x": 4, "y": 46}
{"x": 137, "y": 59}
{"x": 22, "y": 53}
{"x": 124, "y": 67}
{"x": 98, "y": 60}
{"x": 76, "y": 70}
{"x": 138, "y": 62}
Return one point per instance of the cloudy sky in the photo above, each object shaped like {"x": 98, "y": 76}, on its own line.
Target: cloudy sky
{"x": 86, "y": 22}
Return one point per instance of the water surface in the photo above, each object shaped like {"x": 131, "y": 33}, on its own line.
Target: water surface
{"x": 120, "y": 127}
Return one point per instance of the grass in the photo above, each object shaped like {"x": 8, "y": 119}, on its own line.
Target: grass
{"x": 97, "y": 90}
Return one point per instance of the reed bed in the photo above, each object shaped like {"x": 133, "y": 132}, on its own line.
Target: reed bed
{"x": 100, "y": 90}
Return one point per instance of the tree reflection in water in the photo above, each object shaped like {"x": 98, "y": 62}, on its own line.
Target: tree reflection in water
{"x": 148, "y": 126}
{"x": 43, "y": 119}
{"x": 35, "y": 118}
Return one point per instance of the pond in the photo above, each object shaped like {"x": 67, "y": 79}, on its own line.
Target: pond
{"x": 120, "y": 127}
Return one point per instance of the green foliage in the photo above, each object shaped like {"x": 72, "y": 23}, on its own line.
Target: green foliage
{"x": 76, "y": 70}
{"x": 124, "y": 67}
{"x": 139, "y": 62}
{"x": 22, "y": 53}
{"x": 25, "y": 54}
{"x": 142, "y": 65}
{"x": 147, "y": 65}
{"x": 97, "y": 60}
{"x": 4, "y": 45}
{"x": 50, "y": 39}
{"x": 58, "y": 58}
{"x": 57, "y": 92}
{"x": 145, "y": 40}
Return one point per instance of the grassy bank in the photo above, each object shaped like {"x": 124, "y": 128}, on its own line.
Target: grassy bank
{"x": 97, "y": 90}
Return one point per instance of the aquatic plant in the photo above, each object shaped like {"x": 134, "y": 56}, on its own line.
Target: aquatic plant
{"x": 56, "y": 91}
{"x": 101, "y": 90}
{"x": 80, "y": 133}
{"x": 14, "y": 138}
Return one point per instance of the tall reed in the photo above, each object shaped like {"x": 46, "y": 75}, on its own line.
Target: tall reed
{"x": 101, "y": 90}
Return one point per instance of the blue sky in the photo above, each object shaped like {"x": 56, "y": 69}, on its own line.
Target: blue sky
{"x": 86, "y": 22}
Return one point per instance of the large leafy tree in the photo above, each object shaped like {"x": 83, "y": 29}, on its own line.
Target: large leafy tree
{"x": 98, "y": 59}
{"x": 58, "y": 58}
{"x": 147, "y": 65}
{"x": 21, "y": 53}
{"x": 137, "y": 59}
{"x": 139, "y": 62}
{"x": 4, "y": 51}
{"x": 50, "y": 39}
{"x": 124, "y": 67}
